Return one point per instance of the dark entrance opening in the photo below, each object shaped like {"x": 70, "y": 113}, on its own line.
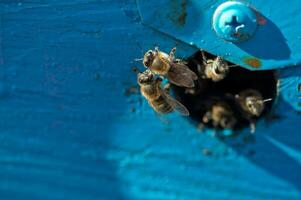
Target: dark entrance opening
{"x": 207, "y": 93}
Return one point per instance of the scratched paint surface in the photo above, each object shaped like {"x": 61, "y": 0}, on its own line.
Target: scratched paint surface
{"x": 73, "y": 126}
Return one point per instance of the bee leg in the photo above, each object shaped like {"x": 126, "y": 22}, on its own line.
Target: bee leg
{"x": 190, "y": 91}
{"x": 207, "y": 117}
{"x": 171, "y": 56}
{"x": 219, "y": 58}
{"x": 167, "y": 88}
{"x": 216, "y": 124}
{"x": 199, "y": 68}
{"x": 204, "y": 58}
{"x": 156, "y": 51}
{"x": 252, "y": 127}
{"x": 201, "y": 126}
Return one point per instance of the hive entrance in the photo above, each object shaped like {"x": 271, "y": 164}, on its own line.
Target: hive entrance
{"x": 207, "y": 93}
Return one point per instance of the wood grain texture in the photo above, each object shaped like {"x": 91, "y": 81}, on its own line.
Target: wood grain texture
{"x": 73, "y": 126}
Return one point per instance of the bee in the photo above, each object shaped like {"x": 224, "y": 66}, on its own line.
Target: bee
{"x": 251, "y": 102}
{"x": 176, "y": 70}
{"x": 158, "y": 97}
{"x": 221, "y": 115}
{"x": 214, "y": 69}
{"x": 252, "y": 105}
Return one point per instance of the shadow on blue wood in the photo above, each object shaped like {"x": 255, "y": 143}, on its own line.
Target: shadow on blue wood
{"x": 277, "y": 149}
{"x": 267, "y": 43}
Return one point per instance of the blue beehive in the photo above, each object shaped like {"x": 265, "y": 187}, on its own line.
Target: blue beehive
{"x": 74, "y": 126}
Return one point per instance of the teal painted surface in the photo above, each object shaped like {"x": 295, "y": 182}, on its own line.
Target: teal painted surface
{"x": 71, "y": 127}
{"x": 275, "y": 42}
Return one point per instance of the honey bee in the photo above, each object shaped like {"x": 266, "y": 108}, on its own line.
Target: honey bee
{"x": 214, "y": 69}
{"x": 252, "y": 104}
{"x": 221, "y": 115}
{"x": 158, "y": 97}
{"x": 176, "y": 70}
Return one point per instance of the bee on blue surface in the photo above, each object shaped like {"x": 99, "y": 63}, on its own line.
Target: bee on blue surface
{"x": 215, "y": 69}
{"x": 175, "y": 70}
{"x": 252, "y": 104}
{"x": 158, "y": 97}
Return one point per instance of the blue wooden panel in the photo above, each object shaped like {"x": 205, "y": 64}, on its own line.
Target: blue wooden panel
{"x": 274, "y": 44}
{"x": 74, "y": 127}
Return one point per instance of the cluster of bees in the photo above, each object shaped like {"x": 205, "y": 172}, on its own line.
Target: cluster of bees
{"x": 161, "y": 65}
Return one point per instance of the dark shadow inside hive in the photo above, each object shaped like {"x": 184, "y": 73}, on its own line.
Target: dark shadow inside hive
{"x": 208, "y": 93}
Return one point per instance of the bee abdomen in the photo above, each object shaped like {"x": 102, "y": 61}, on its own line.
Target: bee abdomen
{"x": 149, "y": 92}
{"x": 160, "y": 105}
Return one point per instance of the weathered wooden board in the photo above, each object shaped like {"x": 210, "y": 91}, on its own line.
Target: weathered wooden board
{"x": 73, "y": 126}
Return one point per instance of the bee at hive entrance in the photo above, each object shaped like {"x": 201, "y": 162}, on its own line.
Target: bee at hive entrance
{"x": 227, "y": 96}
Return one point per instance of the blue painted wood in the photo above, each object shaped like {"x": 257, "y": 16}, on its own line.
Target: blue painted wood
{"x": 74, "y": 127}
{"x": 274, "y": 44}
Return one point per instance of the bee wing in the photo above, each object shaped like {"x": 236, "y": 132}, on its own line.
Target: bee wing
{"x": 162, "y": 118}
{"x": 180, "y": 75}
{"x": 176, "y": 105}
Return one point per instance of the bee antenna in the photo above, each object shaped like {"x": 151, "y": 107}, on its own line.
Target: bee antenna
{"x": 138, "y": 59}
{"x": 267, "y": 100}
{"x": 233, "y": 65}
